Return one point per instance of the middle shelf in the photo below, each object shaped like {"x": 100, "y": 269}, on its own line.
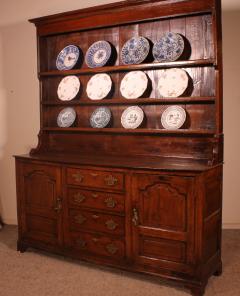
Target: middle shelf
{"x": 142, "y": 101}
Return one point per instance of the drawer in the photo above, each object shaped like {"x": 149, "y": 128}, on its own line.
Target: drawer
{"x": 98, "y": 244}
{"x": 96, "y": 179}
{"x": 96, "y": 222}
{"x": 93, "y": 199}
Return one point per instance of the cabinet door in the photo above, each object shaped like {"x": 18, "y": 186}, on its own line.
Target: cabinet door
{"x": 39, "y": 195}
{"x": 163, "y": 221}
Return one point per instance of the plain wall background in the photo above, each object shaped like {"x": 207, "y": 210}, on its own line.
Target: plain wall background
{"x": 19, "y": 95}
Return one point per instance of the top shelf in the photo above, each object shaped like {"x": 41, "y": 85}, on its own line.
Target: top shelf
{"x": 149, "y": 66}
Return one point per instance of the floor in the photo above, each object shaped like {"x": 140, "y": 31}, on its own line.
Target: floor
{"x": 39, "y": 274}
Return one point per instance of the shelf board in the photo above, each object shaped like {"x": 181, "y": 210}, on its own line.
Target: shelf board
{"x": 143, "y": 101}
{"x": 132, "y": 131}
{"x": 149, "y": 66}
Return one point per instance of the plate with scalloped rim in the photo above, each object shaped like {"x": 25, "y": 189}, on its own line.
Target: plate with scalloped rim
{"x": 99, "y": 86}
{"x": 66, "y": 117}
{"x": 134, "y": 84}
{"x": 100, "y": 117}
{"x": 135, "y": 50}
{"x": 68, "y": 88}
{"x": 173, "y": 82}
{"x": 67, "y": 57}
{"x": 168, "y": 48}
{"x": 132, "y": 117}
{"x": 98, "y": 54}
{"x": 173, "y": 117}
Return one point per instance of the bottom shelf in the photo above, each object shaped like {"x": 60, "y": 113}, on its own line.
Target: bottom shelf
{"x": 133, "y": 131}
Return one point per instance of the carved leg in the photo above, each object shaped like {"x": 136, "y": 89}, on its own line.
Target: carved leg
{"x": 198, "y": 291}
{"x": 218, "y": 272}
{"x": 21, "y": 247}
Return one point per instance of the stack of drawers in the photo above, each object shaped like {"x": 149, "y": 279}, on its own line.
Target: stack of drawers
{"x": 96, "y": 205}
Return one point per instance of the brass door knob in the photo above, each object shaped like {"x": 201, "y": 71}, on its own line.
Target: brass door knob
{"x": 135, "y": 217}
{"x": 58, "y": 206}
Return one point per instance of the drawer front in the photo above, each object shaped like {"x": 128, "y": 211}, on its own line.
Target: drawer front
{"x": 96, "y": 222}
{"x": 98, "y": 244}
{"x": 93, "y": 199}
{"x": 96, "y": 179}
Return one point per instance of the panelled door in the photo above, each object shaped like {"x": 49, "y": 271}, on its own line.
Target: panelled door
{"x": 163, "y": 221}
{"x": 40, "y": 203}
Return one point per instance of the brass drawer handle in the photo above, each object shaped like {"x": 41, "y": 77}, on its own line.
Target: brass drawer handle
{"x": 135, "y": 217}
{"x": 95, "y": 217}
{"x": 78, "y": 197}
{"x": 58, "y": 206}
{"x": 111, "y": 225}
{"x": 78, "y": 177}
{"x": 80, "y": 219}
{"x": 81, "y": 243}
{"x": 112, "y": 249}
{"x": 110, "y": 202}
{"x": 110, "y": 180}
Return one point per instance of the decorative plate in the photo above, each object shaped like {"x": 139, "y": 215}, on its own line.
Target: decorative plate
{"x": 68, "y": 57}
{"x": 169, "y": 48}
{"x": 99, "y": 86}
{"x": 66, "y": 117}
{"x": 173, "y": 117}
{"x": 173, "y": 82}
{"x": 132, "y": 117}
{"x": 134, "y": 84}
{"x": 135, "y": 51}
{"x": 100, "y": 117}
{"x": 98, "y": 54}
{"x": 68, "y": 88}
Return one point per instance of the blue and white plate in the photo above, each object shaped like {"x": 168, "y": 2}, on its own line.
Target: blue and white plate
{"x": 169, "y": 48}
{"x": 98, "y": 54}
{"x": 68, "y": 57}
{"x": 132, "y": 117}
{"x": 173, "y": 117}
{"x": 135, "y": 51}
{"x": 101, "y": 117}
{"x": 66, "y": 117}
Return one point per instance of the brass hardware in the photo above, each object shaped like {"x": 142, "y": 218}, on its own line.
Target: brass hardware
{"x": 111, "y": 225}
{"x": 110, "y": 180}
{"x": 80, "y": 219}
{"x": 94, "y": 195}
{"x": 94, "y": 175}
{"x": 110, "y": 202}
{"x": 95, "y": 217}
{"x": 112, "y": 249}
{"x": 78, "y": 177}
{"x": 95, "y": 240}
{"x": 135, "y": 217}
{"x": 78, "y": 197}
{"x": 58, "y": 205}
{"x": 81, "y": 243}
